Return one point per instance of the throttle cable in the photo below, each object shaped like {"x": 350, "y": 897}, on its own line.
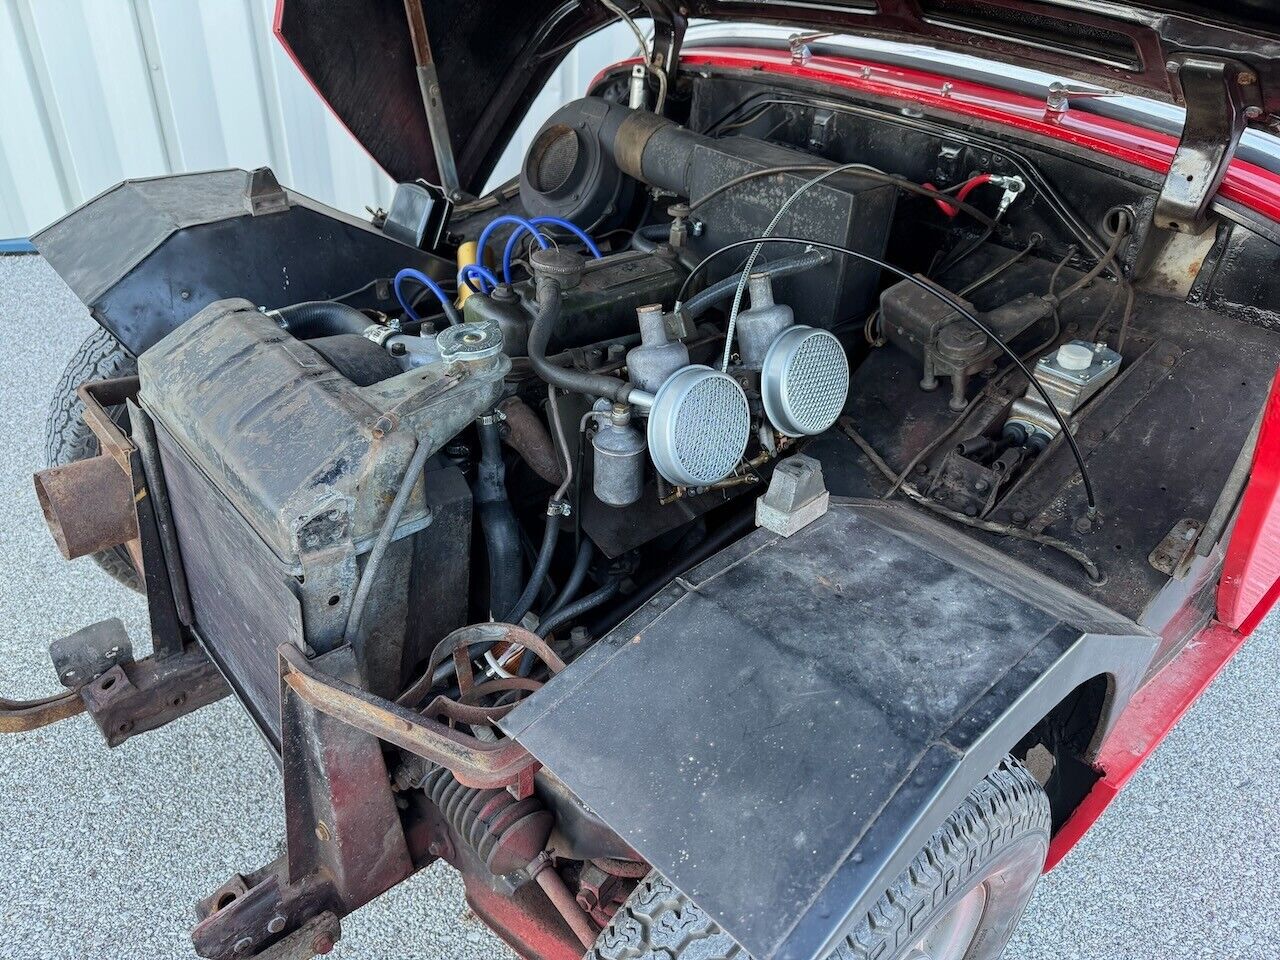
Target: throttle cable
{"x": 946, "y": 298}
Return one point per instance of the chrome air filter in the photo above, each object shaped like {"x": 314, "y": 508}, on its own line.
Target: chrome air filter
{"x": 804, "y": 381}
{"x": 698, "y": 427}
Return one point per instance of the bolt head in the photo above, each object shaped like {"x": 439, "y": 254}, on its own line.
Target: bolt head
{"x": 277, "y": 923}
{"x": 1246, "y": 78}
{"x": 1172, "y": 66}
{"x": 322, "y": 944}
{"x": 243, "y": 945}
{"x": 1253, "y": 113}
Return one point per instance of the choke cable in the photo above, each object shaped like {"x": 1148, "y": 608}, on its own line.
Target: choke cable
{"x": 951, "y": 302}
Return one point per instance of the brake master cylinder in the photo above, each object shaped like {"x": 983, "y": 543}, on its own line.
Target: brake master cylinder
{"x": 1071, "y": 375}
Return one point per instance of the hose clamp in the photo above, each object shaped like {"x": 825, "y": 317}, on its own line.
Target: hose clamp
{"x": 378, "y": 333}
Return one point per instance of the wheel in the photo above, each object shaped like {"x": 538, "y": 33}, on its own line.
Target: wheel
{"x": 68, "y": 438}
{"x": 988, "y": 854}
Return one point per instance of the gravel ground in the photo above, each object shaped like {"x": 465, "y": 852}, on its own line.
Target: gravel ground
{"x": 105, "y": 852}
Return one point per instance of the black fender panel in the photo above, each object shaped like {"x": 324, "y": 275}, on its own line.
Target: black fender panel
{"x": 147, "y": 255}
{"x": 779, "y": 731}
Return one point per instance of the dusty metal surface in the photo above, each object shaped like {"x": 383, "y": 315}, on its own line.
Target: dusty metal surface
{"x": 931, "y": 656}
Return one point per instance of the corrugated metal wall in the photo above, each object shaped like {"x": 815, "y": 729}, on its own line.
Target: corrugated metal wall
{"x": 96, "y": 91}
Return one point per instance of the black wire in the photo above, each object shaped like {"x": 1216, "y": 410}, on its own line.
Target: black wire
{"x": 358, "y": 290}
{"x": 946, "y": 298}
{"x": 869, "y": 173}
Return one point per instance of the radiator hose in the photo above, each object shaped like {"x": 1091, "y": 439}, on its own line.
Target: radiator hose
{"x": 321, "y": 318}
{"x": 497, "y": 520}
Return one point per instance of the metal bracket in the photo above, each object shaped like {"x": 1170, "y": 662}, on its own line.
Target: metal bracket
{"x": 798, "y": 43}
{"x": 1220, "y": 96}
{"x": 820, "y": 129}
{"x": 429, "y": 83}
{"x": 263, "y": 193}
{"x": 1173, "y": 554}
{"x": 84, "y": 656}
{"x": 1058, "y": 97}
{"x": 796, "y": 497}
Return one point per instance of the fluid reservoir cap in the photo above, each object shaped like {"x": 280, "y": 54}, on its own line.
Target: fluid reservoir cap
{"x": 1075, "y": 356}
{"x": 470, "y": 341}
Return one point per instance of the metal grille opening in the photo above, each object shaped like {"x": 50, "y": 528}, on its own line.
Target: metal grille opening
{"x": 552, "y": 158}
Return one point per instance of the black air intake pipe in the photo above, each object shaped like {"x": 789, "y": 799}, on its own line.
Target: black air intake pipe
{"x": 580, "y": 161}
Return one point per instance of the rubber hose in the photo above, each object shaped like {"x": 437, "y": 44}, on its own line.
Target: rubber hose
{"x": 497, "y": 521}
{"x": 578, "y": 608}
{"x": 321, "y": 318}
{"x": 701, "y": 302}
{"x": 647, "y": 238}
{"x": 575, "y": 381}
{"x": 550, "y": 534}
{"x": 576, "y": 577}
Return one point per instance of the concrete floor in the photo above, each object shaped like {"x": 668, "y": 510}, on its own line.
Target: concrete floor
{"x": 103, "y": 853}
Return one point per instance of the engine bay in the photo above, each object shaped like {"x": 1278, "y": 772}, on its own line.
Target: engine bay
{"x": 497, "y": 456}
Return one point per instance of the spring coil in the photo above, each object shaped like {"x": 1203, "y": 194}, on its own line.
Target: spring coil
{"x": 506, "y": 833}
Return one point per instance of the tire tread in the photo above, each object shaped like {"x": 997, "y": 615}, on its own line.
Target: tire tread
{"x": 658, "y": 922}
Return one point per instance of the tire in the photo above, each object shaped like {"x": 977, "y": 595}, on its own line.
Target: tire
{"x": 68, "y": 438}
{"x": 993, "y": 845}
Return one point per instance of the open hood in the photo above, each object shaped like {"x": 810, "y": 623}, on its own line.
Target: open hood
{"x": 481, "y": 63}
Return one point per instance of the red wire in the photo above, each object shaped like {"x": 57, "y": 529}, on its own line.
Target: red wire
{"x": 962, "y": 194}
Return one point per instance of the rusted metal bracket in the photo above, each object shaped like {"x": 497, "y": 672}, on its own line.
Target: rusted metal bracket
{"x": 1220, "y": 96}
{"x": 262, "y": 915}
{"x": 132, "y": 698}
{"x": 345, "y": 843}
{"x": 476, "y": 763}
{"x": 123, "y": 697}
{"x": 429, "y": 83}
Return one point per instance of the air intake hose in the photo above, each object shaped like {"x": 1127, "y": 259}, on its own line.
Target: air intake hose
{"x": 573, "y": 169}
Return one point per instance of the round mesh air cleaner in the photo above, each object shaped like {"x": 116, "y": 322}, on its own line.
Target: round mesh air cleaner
{"x": 804, "y": 381}
{"x": 698, "y": 426}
